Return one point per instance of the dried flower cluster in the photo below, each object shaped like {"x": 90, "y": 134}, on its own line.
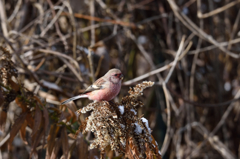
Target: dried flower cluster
{"x": 8, "y": 73}
{"x": 117, "y": 125}
{"x": 138, "y": 89}
{"x": 7, "y": 68}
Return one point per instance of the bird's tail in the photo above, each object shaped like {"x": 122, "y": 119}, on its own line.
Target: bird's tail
{"x": 74, "y": 98}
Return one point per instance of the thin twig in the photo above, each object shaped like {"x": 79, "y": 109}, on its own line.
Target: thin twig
{"x": 73, "y": 22}
{"x": 92, "y": 12}
{"x": 169, "y": 128}
{"x": 180, "y": 49}
{"x": 91, "y": 64}
{"x": 16, "y": 9}
{"x": 161, "y": 69}
{"x": 234, "y": 30}
{"x": 219, "y": 10}
{"x": 52, "y": 21}
{"x": 196, "y": 30}
{"x": 56, "y": 23}
{"x": 3, "y": 19}
{"x": 208, "y": 48}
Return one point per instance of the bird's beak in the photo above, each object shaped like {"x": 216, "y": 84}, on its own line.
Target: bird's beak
{"x": 121, "y": 76}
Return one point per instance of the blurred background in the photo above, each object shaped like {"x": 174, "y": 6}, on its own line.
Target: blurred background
{"x": 188, "y": 47}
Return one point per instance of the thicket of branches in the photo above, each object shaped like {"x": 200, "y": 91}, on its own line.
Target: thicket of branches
{"x": 52, "y": 50}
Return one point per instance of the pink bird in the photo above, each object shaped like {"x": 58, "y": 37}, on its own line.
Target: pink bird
{"x": 104, "y": 89}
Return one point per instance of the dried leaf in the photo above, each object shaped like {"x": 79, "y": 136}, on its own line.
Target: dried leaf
{"x": 46, "y": 119}
{"x": 65, "y": 146}
{"x": 38, "y": 131}
{"x": 3, "y": 117}
{"x": 68, "y": 112}
{"x": 37, "y": 120}
{"x": 1, "y": 97}
{"x": 56, "y": 149}
{"x": 72, "y": 109}
{"x": 38, "y": 100}
{"x": 157, "y": 152}
{"x": 35, "y": 141}
{"x": 93, "y": 153}
{"x": 15, "y": 86}
{"x": 21, "y": 104}
{"x": 150, "y": 154}
{"x": 109, "y": 152}
{"x": 46, "y": 122}
{"x": 72, "y": 116}
{"x": 131, "y": 150}
{"x": 15, "y": 128}
{"x": 30, "y": 120}
{"x": 63, "y": 116}
{"x": 71, "y": 106}
{"x": 51, "y": 140}
{"x": 23, "y": 131}
{"x": 82, "y": 147}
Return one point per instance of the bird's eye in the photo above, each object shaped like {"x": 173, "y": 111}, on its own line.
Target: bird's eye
{"x": 116, "y": 75}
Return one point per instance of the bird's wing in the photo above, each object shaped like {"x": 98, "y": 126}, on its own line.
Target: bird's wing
{"x": 97, "y": 85}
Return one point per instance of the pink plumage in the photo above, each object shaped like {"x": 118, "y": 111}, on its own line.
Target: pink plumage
{"x": 104, "y": 89}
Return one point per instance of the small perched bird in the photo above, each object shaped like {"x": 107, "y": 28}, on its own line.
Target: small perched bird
{"x": 104, "y": 89}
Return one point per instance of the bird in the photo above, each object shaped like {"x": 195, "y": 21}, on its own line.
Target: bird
{"x": 103, "y": 89}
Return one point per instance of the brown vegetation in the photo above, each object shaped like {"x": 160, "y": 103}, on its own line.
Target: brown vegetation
{"x": 52, "y": 50}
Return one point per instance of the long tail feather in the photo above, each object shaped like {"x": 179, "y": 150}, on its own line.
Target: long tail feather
{"x": 74, "y": 98}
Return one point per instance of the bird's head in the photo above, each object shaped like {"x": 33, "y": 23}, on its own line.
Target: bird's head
{"x": 115, "y": 75}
